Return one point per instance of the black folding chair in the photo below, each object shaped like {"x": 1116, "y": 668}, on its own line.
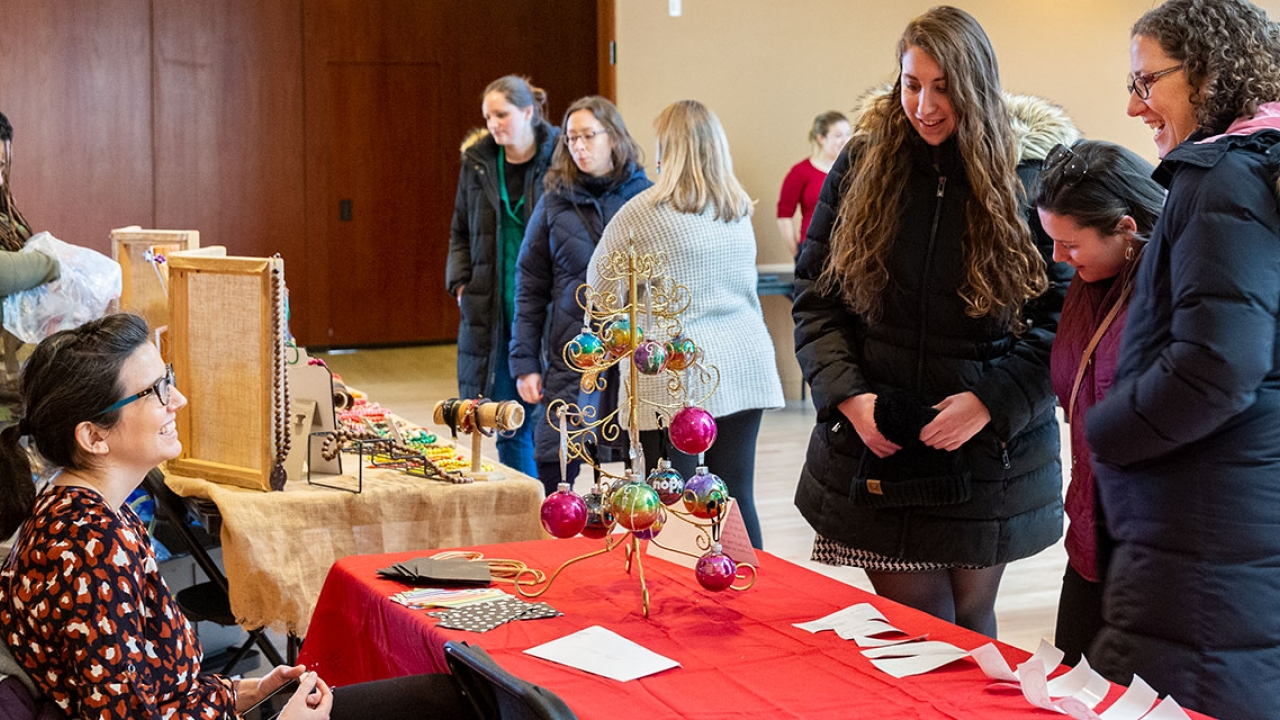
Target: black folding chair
{"x": 496, "y": 694}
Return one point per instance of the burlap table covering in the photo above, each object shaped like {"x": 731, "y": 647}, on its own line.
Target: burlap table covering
{"x": 278, "y": 547}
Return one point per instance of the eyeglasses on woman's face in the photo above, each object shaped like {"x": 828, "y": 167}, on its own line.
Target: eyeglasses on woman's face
{"x": 1141, "y": 83}
{"x": 588, "y": 138}
{"x": 1063, "y": 159}
{"x": 160, "y": 388}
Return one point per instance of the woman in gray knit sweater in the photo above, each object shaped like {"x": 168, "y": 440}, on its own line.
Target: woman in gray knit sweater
{"x": 699, "y": 216}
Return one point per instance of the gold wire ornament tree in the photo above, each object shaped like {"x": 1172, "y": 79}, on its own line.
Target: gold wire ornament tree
{"x": 613, "y": 335}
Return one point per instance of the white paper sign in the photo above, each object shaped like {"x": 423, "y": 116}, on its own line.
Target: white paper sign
{"x": 603, "y": 652}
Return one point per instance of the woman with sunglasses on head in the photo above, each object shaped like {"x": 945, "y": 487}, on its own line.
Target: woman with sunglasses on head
{"x": 499, "y": 184}
{"x": 83, "y": 608}
{"x": 1098, "y": 202}
{"x": 924, "y": 320}
{"x": 1187, "y": 442}
{"x": 593, "y": 173}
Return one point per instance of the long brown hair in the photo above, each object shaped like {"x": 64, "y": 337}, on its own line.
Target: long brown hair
{"x": 1003, "y": 267}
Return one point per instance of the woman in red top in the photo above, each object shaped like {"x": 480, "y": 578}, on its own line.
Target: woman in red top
{"x": 1098, "y": 203}
{"x": 830, "y": 132}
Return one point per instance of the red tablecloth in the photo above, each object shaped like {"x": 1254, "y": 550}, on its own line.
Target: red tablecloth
{"x": 740, "y": 656}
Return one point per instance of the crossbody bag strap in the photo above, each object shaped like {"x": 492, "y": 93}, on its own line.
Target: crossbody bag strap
{"x": 1093, "y": 344}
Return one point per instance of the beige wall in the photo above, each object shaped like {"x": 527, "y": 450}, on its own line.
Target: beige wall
{"x": 768, "y": 66}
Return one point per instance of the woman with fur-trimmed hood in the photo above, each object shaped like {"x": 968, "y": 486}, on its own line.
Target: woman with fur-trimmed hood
{"x": 925, "y": 312}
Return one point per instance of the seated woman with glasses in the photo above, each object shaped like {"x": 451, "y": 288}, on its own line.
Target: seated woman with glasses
{"x": 83, "y": 607}
{"x": 1098, "y": 202}
{"x": 593, "y": 173}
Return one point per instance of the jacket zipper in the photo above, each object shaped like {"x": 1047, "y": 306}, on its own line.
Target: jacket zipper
{"x": 924, "y": 295}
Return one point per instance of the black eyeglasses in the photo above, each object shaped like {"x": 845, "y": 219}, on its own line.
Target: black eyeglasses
{"x": 588, "y": 138}
{"x": 1073, "y": 167}
{"x": 159, "y": 388}
{"x": 1141, "y": 83}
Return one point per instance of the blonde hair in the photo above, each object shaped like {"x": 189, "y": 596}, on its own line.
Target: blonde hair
{"x": 695, "y": 169}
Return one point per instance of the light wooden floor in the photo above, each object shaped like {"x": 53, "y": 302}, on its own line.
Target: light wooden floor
{"x": 410, "y": 381}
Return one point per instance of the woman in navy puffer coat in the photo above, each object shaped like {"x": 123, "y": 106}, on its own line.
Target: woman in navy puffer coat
{"x": 593, "y": 174}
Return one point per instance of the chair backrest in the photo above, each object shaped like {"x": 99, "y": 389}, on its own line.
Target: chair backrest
{"x": 496, "y": 694}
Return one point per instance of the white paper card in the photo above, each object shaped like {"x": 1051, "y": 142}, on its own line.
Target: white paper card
{"x": 862, "y": 623}
{"x": 914, "y": 658}
{"x": 1134, "y": 703}
{"x": 1168, "y": 709}
{"x": 603, "y": 652}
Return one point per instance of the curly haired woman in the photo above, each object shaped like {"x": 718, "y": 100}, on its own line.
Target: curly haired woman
{"x": 924, "y": 320}
{"x": 1187, "y": 443}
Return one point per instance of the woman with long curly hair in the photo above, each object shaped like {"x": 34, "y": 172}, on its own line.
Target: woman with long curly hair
{"x": 925, "y": 314}
{"x": 1187, "y": 442}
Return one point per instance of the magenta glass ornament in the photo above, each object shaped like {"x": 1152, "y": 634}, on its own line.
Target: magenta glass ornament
{"x": 705, "y": 494}
{"x": 715, "y": 570}
{"x": 652, "y": 531}
{"x": 585, "y": 351}
{"x": 618, "y": 338}
{"x": 681, "y": 353}
{"x": 651, "y": 357}
{"x": 667, "y": 481}
{"x": 635, "y": 506}
{"x": 599, "y": 519}
{"x": 564, "y": 513}
{"x": 692, "y": 430}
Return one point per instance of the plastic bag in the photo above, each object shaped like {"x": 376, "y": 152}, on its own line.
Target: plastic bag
{"x": 89, "y": 282}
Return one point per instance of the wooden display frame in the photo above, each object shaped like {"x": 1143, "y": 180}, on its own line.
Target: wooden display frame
{"x": 223, "y": 350}
{"x": 144, "y": 284}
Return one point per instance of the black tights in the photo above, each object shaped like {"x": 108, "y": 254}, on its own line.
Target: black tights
{"x": 964, "y": 597}
{"x": 732, "y": 456}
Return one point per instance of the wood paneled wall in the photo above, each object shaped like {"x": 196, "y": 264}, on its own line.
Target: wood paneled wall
{"x": 250, "y": 122}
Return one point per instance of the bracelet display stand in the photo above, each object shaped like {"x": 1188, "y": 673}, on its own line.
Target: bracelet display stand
{"x": 479, "y": 418}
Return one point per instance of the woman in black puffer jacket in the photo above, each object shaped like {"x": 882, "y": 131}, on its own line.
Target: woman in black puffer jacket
{"x": 500, "y": 183}
{"x": 593, "y": 174}
{"x": 923, "y": 324}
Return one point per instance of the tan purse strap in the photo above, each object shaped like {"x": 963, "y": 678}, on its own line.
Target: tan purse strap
{"x": 1093, "y": 343}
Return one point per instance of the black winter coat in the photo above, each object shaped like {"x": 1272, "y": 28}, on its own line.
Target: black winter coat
{"x": 475, "y": 255}
{"x": 924, "y": 343}
{"x": 1187, "y": 443}
{"x": 553, "y": 263}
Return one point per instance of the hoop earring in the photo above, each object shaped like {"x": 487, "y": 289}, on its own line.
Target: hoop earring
{"x": 1130, "y": 251}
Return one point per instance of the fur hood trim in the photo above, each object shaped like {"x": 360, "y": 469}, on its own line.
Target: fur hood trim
{"x": 1038, "y": 124}
{"x": 473, "y": 138}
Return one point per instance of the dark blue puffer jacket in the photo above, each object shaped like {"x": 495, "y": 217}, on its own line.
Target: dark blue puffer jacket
{"x": 558, "y": 242}
{"x": 1187, "y": 444}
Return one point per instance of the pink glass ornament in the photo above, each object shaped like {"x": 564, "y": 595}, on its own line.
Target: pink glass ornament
{"x": 635, "y": 506}
{"x": 667, "y": 481}
{"x": 564, "y": 513}
{"x": 681, "y": 353}
{"x": 715, "y": 570}
{"x": 599, "y": 519}
{"x": 618, "y": 338}
{"x": 585, "y": 351}
{"x": 692, "y": 430}
{"x": 651, "y": 357}
{"x": 705, "y": 494}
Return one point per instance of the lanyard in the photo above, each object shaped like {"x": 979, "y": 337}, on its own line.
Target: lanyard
{"x": 502, "y": 188}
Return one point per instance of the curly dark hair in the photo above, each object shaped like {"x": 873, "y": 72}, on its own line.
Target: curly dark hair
{"x": 1229, "y": 50}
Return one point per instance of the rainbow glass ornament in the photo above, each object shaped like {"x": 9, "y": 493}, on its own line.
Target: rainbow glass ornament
{"x": 705, "y": 494}
{"x": 599, "y": 519}
{"x": 681, "y": 353}
{"x": 715, "y": 570}
{"x": 635, "y": 505}
{"x": 586, "y": 350}
{"x": 651, "y": 357}
{"x": 692, "y": 430}
{"x": 618, "y": 338}
{"x": 564, "y": 513}
{"x": 652, "y": 531}
{"x": 667, "y": 481}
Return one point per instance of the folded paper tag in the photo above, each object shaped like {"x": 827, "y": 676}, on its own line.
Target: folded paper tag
{"x": 426, "y": 571}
